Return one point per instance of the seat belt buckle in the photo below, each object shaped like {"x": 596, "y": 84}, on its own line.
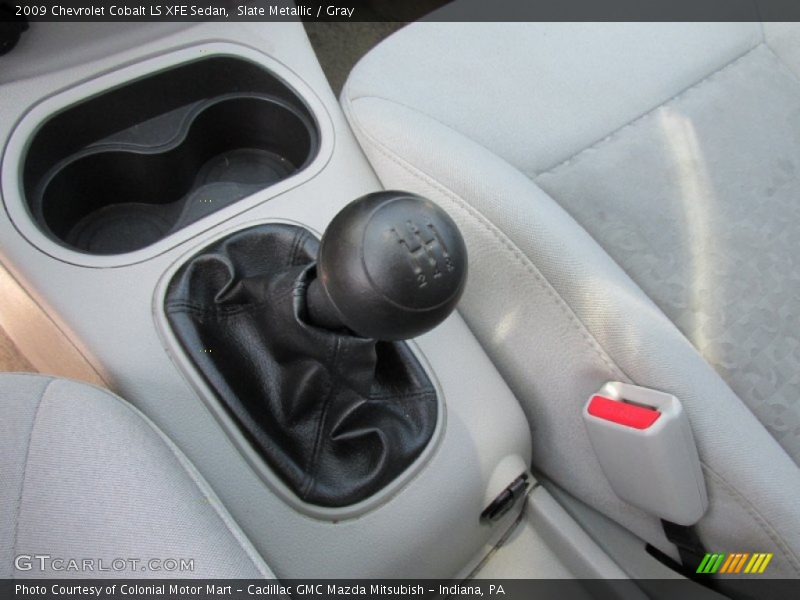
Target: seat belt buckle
{"x": 645, "y": 446}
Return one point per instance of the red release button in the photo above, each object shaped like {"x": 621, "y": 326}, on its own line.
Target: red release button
{"x": 623, "y": 413}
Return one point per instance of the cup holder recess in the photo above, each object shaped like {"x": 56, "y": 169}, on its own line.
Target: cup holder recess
{"x": 136, "y": 185}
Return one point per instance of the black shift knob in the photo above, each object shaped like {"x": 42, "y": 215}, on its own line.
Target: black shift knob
{"x": 391, "y": 266}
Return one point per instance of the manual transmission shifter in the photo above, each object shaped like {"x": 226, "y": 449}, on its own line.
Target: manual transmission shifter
{"x": 285, "y": 333}
{"x": 391, "y": 266}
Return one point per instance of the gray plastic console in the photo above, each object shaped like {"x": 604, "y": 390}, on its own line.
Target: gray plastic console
{"x": 426, "y": 524}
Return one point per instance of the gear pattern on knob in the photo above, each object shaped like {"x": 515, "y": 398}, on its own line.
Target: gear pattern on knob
{"x": 392, "y": 265}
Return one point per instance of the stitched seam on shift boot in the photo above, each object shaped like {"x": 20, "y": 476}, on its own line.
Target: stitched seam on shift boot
{"x": 25, "y": 467}
{"x": 507, "y": 244}
{"x": 393, "y": 397}
{"x": 765, "y": 525}
{"x": 312, "y": 464}
{"x": 597, "y": 145}
{"x": 305, "y": 235}
{"x": 295, "y": 249}
{"x": 186, "y": 306}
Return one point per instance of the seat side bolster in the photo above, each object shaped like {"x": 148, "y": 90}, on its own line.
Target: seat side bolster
{"x": 97, "y": 465}
{"x": 548, "y": 363}
{"x": 20, "y": 398}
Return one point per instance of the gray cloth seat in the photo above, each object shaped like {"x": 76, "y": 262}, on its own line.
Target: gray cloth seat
{"x": 629, "y": 197}
{"x": 85, "y": 476}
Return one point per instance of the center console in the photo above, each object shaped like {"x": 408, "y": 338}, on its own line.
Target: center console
{"x": 164, "y": 203}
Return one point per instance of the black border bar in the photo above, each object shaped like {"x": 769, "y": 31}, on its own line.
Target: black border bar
{"x": 375, "y": 10}
{"x": 386, "y": 589}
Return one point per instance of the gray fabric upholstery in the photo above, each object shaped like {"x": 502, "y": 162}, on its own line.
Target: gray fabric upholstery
{"x": 83, "y": 475}
{"x": 698, "y": 202}
{"x": 556, "y": 313}
{"x": 536, "y": 93}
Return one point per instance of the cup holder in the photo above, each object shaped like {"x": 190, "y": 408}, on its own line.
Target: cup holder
{"x": 141, "y": 183}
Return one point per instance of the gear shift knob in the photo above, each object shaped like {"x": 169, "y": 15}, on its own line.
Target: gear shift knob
{"x": 391, "y": 266}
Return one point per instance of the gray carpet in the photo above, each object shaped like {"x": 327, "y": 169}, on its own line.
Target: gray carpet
{"x": 339, "y": 46}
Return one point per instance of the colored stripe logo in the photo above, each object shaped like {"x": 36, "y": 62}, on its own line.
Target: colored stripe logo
{"x": 734, "y": 562}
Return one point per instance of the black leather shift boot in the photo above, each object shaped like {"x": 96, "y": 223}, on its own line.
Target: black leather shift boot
{"x": 337, "y": 417}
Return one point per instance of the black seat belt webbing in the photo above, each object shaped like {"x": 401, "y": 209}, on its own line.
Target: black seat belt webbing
{"x": 690, "y": 548}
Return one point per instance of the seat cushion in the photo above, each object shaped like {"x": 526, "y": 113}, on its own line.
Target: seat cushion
{"x": 536, "y": 93}
{"x": 698, "y": 202}
{"x": 554, "y": 310}
{"x": 87, "y": 476}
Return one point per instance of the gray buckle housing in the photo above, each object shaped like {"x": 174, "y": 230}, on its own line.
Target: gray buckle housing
{"x": 646, "y": 449}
